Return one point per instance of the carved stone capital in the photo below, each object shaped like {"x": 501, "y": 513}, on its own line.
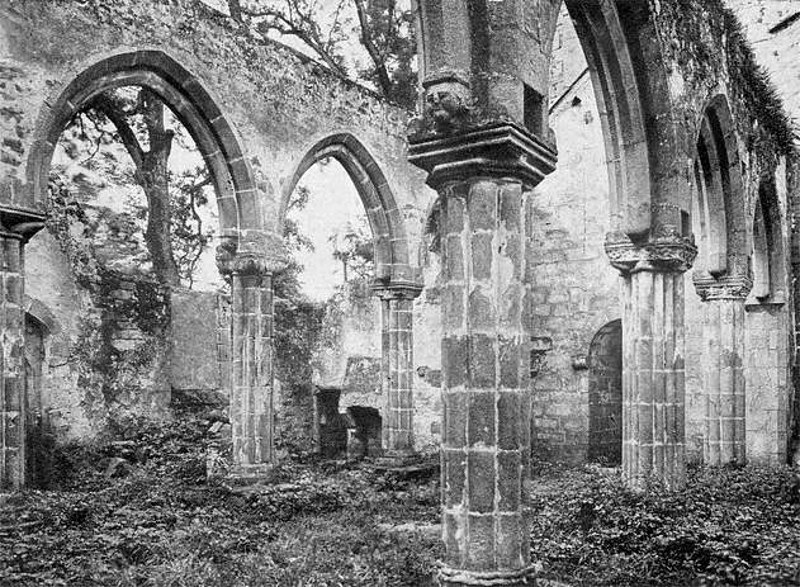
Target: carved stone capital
{"x": 397, "y": 290}
{"x": 20, "y": 223}
{"x": 259, "y": 254}
{"x": 500, "y": 149}
{"x": 666, "y": 251}
{"x": 725, "y": 287}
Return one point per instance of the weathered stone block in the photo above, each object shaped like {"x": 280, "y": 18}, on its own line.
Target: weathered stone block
{"x": 455, "y": 419}
{"x": 454, "y": 361}
{"x": 481, "y": 486}
{"x": 481, "y": 366}
{"x": 481, "y": 419}
{"x": 482, "y": 255}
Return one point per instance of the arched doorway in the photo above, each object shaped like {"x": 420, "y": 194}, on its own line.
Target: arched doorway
{"x": 605, "y": 395}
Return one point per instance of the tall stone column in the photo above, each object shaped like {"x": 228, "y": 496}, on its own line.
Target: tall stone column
{"x": 397, "y": 367}
{"x": 723, "y": 367}
{"x": 16, "y": 227}
{"x": 251, "y": 269}
{"x": 653, "y": 347}
{"x": 484, "y": 179}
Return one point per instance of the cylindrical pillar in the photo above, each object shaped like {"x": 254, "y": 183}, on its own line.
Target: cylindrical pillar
{"x": 485, "y": 387}
{"x": 397, "y": 313}
{"x": 484, "y": 177}
{"x": 12, "y": 400}
{"x": 251, "y": 265}
{"x": 723, "y": 368}
{"x": 653, "y": 375}
{"x": 251, "y": 402}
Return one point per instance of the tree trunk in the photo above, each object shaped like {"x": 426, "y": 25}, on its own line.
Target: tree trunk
{"x": 154, "y": 179}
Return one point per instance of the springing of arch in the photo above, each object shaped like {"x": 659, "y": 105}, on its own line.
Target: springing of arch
{"x": 385, "y": 220}
{"x": 718, "y": 208}
{"x": 237, "y": 197}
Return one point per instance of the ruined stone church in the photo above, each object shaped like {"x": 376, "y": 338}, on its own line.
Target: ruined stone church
{"x": 584, "y": 238}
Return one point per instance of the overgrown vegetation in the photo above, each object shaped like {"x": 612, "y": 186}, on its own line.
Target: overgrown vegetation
{"x": 138, "y": 510}
{"x": 708, "y": 42}
{"x": 729, "y": 527}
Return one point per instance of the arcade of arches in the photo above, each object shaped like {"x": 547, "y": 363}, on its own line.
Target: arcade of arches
{"x": 583, "y": 243}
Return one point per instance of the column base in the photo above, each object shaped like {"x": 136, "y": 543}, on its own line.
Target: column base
{"x": 250, "y": 474}
{"x": 525, "y": 577}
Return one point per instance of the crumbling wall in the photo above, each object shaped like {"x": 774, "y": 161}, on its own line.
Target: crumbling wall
{"x": 278, "y": 103}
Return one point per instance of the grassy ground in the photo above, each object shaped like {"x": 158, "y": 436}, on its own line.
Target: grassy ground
{"x": 158, "y": 522}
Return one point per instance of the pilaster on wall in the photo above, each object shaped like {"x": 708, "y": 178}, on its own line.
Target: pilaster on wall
{"x": 767, "y": 373}
{"x": 16, "y": 227}
{"x": 397, "y": 366}
{"x": 484, "y": 178}
{"x": 251, "y": 266}
{"x": 723, "y": 367}
{"x": 653, "y": 378}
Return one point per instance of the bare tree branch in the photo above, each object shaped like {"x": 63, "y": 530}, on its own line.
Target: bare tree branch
{"x": 299, "y": 24}
{"x": 103, "y": 104}
{"x": 372, "y": 50}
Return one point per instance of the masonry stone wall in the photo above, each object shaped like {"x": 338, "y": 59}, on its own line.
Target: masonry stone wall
{"x": 575, "y": 291}
{"x": 349, "y": 356}
{"x": 278, "y": 103}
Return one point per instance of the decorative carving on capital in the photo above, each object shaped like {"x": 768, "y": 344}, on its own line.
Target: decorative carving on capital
{"x": 396, "y": 290}
{"x": 500, "y": 149}
{"x": 445, "y": 112}
{"x": 666, "y": 251}
{"x": 255, "y": 254}
{"x": 725, "y": 287}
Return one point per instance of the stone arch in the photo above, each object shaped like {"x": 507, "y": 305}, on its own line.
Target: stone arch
{"x": 385, "y": 220}
{"x": 616, "y": 86}
{"x": 722, "y": 282}
{"x": 604, "y": 361}
{"x": 718, "y": 210}
{"x": 237, "y": 196}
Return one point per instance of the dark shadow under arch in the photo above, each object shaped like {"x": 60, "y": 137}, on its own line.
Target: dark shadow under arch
{"x": 237, "y": 197}
{"x": 385, "y": 220}
{"x": 769, "y": 258}
{"x": 718, "y": 196}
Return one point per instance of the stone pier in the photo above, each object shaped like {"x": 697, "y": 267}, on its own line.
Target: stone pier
{"x": 653, "y": 339}
{"x": 484, "y": 179}
{"x": 397, "y": 369}
{"x": 723, "y": 367}
{"x": 16, "y": 227}
{"x": 251, "y": 268}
